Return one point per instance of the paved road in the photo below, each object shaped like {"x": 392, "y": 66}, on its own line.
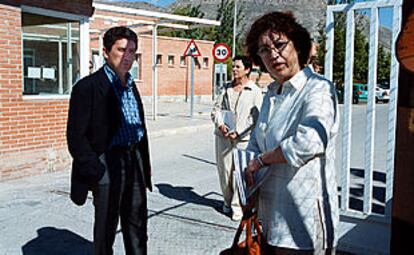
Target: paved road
{"x": 36, "y": 216}
{"x": 359, "y": 135}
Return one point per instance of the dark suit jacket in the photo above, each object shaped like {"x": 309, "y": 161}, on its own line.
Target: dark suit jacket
{"x": 94, "y": 117}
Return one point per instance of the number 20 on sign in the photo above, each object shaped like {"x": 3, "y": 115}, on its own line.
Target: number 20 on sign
{"x": 221, "y": 52}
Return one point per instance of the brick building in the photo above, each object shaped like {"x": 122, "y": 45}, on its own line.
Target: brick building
{"x": 45, "y": 47}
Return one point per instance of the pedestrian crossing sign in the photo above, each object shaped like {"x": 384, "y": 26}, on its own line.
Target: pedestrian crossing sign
{"x": 192, "y": 50}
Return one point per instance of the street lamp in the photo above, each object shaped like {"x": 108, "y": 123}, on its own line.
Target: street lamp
{"x": 234, "y": 29}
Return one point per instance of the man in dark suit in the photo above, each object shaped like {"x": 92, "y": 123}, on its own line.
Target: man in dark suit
{"x": 107, "y": 139}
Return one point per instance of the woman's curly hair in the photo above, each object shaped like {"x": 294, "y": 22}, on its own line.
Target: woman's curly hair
{"x": 282, "y": 23}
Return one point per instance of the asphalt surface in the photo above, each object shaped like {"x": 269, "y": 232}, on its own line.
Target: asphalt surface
{"x": 185, "y": 217}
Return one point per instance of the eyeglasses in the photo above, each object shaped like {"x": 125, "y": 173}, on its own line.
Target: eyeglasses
{"x": 278, "y": 46}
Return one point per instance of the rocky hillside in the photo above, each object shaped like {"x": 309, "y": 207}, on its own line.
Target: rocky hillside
{"x": 135, "y": 5}
{"x": 309, "y": 12}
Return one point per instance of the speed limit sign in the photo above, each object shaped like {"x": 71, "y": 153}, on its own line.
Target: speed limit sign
{"x": 221, "y": 52}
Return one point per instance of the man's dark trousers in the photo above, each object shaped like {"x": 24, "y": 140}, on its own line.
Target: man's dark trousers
{"x": 121, "y": 193}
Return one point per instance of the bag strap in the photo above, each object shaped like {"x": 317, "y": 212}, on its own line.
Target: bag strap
{"x": 257, "y": 228}
{"x": 251, "y": 223}
{"x": 226, "y": 101}
{"x": 249, "y": 220}
{"x": 249, "y": 238}
{"x": 238, "y": 233}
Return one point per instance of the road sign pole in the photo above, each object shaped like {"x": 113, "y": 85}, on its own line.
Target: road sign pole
{"x": 221, "y": 75}
{"x": 221, "y": 52}
{"x": 192, "y": 88}
{"x": 192, "y": 51}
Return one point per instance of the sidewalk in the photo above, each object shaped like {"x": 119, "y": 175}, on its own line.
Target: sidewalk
{"x": 37, "y": 216}
{"x": 174, "y": 117}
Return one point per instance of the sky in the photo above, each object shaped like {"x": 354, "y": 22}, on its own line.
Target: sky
{"x": 385, "y": 14}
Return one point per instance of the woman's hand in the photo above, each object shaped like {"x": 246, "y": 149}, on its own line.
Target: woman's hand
{"x": 232, "y": 136}
{"x": 252, "y": 167}
{"x": 223, "y": 129}
{"x": 265, "y": 159}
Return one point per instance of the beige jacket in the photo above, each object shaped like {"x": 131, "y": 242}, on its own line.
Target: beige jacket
{"x": 245, "y": 105}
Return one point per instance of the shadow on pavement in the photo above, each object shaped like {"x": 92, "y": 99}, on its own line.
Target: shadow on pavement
{"x": 186, "y": 194}
{"x": 200, "y": 159}
{"x": 51, "y": 240}
{"x": 357, "y": 191}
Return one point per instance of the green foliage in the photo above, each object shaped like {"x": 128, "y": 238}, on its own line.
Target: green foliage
{"x": 220, "y": 34}
{"x": 360, "y": 57}
{"x": 196, "y": 33}
{"x": 360, "y": 53}
{"x": 384, "y": 65}
{"x": 224, "y": 32}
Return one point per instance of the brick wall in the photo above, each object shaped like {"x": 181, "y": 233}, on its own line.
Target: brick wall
{"x": 173, "y": 80}
{"x": 31, "y": 131}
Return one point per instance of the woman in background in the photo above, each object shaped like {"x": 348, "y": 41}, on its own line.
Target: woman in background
{"x": 243, "y": 99}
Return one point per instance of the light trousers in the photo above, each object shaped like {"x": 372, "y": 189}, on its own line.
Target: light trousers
{"x": 225, "y": 168}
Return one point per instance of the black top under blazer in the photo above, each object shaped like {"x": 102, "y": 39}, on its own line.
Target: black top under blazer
{"x": 94, "y": 117}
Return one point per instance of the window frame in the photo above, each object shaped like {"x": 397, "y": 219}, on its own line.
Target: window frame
{"x": 159, "y": 57}
{"x": 83, "y": 46}
{"x": 138, "y": 64}
{"x": 206, "y": 63}
{"x": 173, "y": 60}
{"x": 185, "y": 61}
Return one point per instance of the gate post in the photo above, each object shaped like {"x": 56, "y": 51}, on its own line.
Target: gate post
{"x": 402, "y": 224}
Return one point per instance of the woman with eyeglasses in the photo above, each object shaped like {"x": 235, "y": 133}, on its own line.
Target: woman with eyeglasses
{"x": 295, "y": 137}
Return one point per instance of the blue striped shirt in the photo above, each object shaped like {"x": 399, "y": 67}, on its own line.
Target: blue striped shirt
{"x": 131, "y": 129}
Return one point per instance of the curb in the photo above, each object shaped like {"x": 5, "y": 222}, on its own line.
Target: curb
{"x": 180, "y": 130}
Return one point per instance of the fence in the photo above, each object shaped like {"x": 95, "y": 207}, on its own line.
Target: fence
{"x": 365, "y": 232}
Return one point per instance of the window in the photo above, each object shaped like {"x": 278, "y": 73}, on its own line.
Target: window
{"x": 171, "y": 60}
{"x": 51, "y": 61}
{"x": 136, "y": 70}
{"x": 183, "y": 61}
{"x": 205, "y": 62}
{"x": 95, "y": 62}
{"x": 197, "y": 63}
{"x": 159, "y": 59}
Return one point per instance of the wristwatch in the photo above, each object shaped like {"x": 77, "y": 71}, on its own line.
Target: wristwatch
{"x": 260, "y": 160}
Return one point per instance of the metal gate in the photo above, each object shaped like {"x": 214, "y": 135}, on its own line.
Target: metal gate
{"x": 365, "y": 232}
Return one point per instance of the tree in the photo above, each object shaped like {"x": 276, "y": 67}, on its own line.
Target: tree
{"x": 224, "y": 33}
{"x": 384, "y": 64}
{"x": 360, "y": 52}
{"x": 360, "y": 57}
{"x": 220, "y": 34}
{"x": 196, "y": 33}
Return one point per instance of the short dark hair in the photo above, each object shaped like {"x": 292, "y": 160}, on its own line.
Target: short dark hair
{"x": 247, "y": 62}
{"x": 116, "y": 33}
{"x": 283, "y": 23}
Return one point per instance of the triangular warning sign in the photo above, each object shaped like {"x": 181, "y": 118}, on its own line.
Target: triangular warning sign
{"x": 192, "y": 50}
